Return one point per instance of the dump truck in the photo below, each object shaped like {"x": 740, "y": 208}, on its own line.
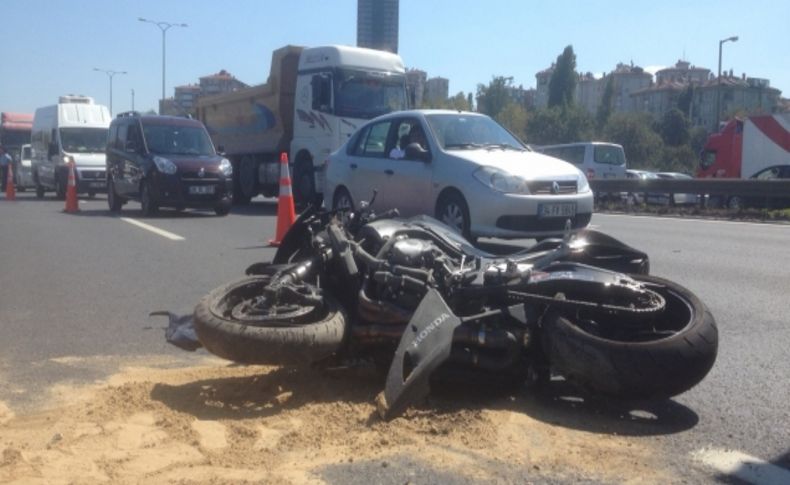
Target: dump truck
{"x": 314, "y": 99}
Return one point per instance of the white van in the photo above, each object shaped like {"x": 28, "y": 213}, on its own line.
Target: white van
{"x": 596, "y": 159}
{"x": 75, "y": 130}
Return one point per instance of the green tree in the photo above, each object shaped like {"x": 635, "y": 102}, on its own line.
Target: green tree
{"x": 562, "y": 84}
{"x": 459, "y": 102}
{"x": 674, "y": 128}
{"x": 514, "y": 118}
{"x": 493, "y": 98}
{"x": 678, "y": 159}
{"x": 559, "y": 125}
{"x": 698, "y": 136}
{"x": 607, "y": 103}
{"x": 634, "y": 131}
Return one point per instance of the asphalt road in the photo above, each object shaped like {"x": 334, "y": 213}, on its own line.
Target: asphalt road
{"x": 83, "y": 285}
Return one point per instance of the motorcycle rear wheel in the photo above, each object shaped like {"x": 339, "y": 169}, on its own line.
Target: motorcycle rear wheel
{"x": 296, "y": 336}
{"x": 673, "y": 356}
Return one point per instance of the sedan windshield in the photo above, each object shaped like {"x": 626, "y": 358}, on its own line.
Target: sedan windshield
{"x": 177, "y": 140}
{"x": 83, "y": 140}
{"x": 464, "y": 132}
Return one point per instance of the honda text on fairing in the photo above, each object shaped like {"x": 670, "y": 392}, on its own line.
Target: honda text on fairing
{"x": 416, "y": 295}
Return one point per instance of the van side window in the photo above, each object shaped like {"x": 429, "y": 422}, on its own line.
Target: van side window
{"x": 613, "y": 155}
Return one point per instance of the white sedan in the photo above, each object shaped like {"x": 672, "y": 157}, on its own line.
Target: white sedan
{"x": 462, "y": 168}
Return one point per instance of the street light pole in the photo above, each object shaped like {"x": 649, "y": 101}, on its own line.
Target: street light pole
{"x": 164, "y": 27}
{"x": 734, "y": 38}
{"x": 132, "y": 99}
{"x": 110, "y": 73}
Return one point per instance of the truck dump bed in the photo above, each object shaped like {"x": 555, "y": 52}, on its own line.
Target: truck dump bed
{"x": 258, "y": 119}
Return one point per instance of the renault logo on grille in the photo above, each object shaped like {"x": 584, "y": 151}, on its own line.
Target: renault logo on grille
{"x": 202, "y": 172}
{"x": 555, "y": 188}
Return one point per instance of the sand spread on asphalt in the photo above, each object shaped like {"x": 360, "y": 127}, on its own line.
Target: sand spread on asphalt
{"x": 220, "y": 423}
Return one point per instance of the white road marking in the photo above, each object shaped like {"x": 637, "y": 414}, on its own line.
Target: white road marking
{"x": 155, "y": 230}
{"x": 743, "y": 466}
{"x": 707, "y": 221}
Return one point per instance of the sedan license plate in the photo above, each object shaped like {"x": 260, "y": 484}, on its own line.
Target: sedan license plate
{"x": 201, "y": 189}
{"x": 96, "y": 184}
{"x": 567, "y": 209}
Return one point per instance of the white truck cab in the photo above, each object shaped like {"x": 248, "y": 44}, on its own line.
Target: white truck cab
{"x": 74, "y": 130}
{"x": 338, "y": 88}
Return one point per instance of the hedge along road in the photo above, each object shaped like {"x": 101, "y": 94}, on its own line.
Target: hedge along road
{"x": 75, "y": 292}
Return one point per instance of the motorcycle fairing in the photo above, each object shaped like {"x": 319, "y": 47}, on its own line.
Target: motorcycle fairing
{"x": 425, "y": 345}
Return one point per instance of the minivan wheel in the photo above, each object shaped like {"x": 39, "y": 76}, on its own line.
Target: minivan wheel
{"x": 113, "y": 200}
{"x": 453, "y": 211}
{"x": 147, "y": 205}
{"x": 60, "y": 187}
{"x": 39, "y": 189}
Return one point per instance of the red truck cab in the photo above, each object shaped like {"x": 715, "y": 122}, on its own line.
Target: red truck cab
{"x": 721, "y": 156}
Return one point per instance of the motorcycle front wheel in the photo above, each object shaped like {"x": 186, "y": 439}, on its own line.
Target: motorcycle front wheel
{"x": 237, "y": 322}
{"x": 661, "y": 358}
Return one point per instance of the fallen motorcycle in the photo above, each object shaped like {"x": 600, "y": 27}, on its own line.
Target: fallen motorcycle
{"x": 414, "y": 295}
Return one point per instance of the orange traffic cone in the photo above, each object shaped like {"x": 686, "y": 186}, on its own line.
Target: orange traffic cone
{"x": 10, "y": 190}
{"x": 286, "y": 214}
{"x": 71, "y": 192}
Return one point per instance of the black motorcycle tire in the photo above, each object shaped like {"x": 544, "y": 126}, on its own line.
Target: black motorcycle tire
{"x": 267, "y": 342}
{"x": 655, "y": 369}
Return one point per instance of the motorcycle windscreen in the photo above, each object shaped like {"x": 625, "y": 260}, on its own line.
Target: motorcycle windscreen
{"x": 425, "y": 344}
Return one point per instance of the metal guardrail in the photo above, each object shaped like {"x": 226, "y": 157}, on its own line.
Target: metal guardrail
{"x": 767, "y": 189}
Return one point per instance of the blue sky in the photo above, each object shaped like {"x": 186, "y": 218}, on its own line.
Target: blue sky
{"x": 50, "y": 47}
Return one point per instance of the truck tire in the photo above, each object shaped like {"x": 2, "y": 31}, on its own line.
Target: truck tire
{"x": 304, "y": 182}
{"x": 650, "y": 367}
{"x": 282, "y": 340}
{"x": 245, "y": 180}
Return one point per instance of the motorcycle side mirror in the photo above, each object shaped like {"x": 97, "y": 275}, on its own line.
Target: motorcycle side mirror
{"x": 415, "y": 151}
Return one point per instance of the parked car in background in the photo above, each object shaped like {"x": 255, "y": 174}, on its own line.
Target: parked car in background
{"x": 678, "y": 199}
{"x": 638, "y": 198}
{"x": 464, "y": 169}
{"x": 596, "y": 159}
{"x": 165, "y": 161}
{"x": 770, "y": 173}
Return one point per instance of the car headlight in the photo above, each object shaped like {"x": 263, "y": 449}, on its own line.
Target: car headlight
{"x": 582, "y": 185}
{"x": 164, "y": 165}
{"x": 226, "y": 167}
{"x": 501, "y": 181}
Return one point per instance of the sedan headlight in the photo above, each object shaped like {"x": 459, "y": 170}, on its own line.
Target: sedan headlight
{"x": 582, "y": 185}
{"x": 165, "y": 165}
{"x": 501, "y": 181}
{"x": 226, "y": 167}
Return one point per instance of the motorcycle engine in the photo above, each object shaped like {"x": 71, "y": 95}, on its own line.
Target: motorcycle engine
{"x": 414, "y": 253}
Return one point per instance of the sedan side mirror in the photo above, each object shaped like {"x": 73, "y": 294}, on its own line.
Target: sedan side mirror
{"x": 415, "y": 151}
{"x": 221, "y": 150}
